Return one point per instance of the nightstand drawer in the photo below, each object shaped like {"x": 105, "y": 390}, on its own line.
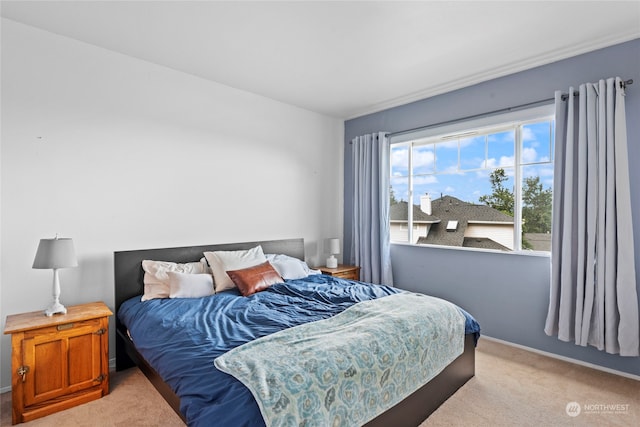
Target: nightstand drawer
{"x": 64, "y": 330}
{"x": 350, "y": 275}
{"x": 349, "y": 272}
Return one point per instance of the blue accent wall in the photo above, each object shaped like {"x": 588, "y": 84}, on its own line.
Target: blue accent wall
{"x": 507, "y": 293}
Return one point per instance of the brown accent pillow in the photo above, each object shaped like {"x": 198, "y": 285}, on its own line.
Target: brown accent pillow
{"x": 255, "y": 279}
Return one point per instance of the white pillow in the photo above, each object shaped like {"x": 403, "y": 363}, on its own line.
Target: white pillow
{"x": 156, "y": 280}
{"x": 184, "y": 285}
{"x": 205, "y": 265}
{"x": 221, "y": 261}
{"x": 289, "y": 267}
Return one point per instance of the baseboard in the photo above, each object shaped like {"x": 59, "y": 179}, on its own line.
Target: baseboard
{"x": 565, "y": 359}
{"x": 5, "y": 389}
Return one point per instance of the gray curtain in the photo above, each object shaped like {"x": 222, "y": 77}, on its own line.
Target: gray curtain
{"x": 593, "y": 299}
{"x": 370, "y": 248}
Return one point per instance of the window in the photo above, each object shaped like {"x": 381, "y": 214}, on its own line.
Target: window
{"x": 484, "y": 184}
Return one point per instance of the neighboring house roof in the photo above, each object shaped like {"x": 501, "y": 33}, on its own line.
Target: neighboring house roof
{"x": 399, "y": 211}
{"x": 483, "y": 243}
{"x": 439, "y": 235}
{"x": 448, "y": 208}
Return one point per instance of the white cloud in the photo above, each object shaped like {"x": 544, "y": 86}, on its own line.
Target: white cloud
{"x": 529, "y": 155}
{"x": 503, "y": 162}
{"x": 529, "y": 136}
{"x": 425, "y": 179}
{"x": 506, "y": 161}
{"x": 506, "y": 137}
{"x": 400, "y": 157}
{"x": 546, "y": 171}
{"x": 448, "y": 144}
{"x": 422, "y": 158}
{"x": 452, "y": 170}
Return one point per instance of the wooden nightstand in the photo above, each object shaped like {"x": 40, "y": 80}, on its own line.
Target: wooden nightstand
{"x": 59, "y": 361}
{"x": 350, "y": 272}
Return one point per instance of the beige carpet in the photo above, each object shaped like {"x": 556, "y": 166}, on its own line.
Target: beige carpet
{"x": 132, "y": 402}
{"x": 512, "y": 387}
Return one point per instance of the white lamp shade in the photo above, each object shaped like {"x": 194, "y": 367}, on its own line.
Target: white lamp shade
{"x": 334, "y": 246}
{"x": 55, "y": 253}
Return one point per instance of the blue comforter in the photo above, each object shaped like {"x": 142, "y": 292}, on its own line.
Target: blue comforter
{"x": 181, "y": 338}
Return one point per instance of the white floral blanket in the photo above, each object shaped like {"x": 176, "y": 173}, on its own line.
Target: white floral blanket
{"x": 346, "y": 370}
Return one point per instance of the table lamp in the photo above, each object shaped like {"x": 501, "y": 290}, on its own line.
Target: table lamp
{"x": 334, "y": 248}
{"x": 55, "y": 253}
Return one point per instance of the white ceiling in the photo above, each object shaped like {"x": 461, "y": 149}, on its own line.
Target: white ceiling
{"x": 343, "y": 59}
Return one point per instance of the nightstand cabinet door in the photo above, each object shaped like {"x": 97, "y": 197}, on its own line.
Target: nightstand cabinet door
{"x": 62, "y": 360}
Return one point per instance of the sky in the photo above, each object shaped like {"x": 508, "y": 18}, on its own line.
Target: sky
{"x": 460, "y": 166}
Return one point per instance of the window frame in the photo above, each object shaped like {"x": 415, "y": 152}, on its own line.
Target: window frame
{"x": 515, "y": 119}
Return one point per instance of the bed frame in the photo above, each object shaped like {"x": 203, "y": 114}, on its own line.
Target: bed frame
{"x": 129, "y": 283}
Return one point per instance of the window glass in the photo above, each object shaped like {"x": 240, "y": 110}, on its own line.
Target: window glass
{"x": 473, "y": 152}
{"x": 501, "y": 149}
{"x": 536, "y": 142}
{"x": 447, "y": 156}
{"x": 537, "y": 181}
{"x": 423, "y": 159}
{"x": 399, "y": 160}
{"x": 485, "y": 189}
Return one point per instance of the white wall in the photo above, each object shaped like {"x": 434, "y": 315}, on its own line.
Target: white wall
{"x": 118, "y": 154}
{"x": 400, "y": 233}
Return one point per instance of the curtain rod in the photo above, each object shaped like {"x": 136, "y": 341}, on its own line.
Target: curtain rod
{"x": 624, "y": 84}
{"x": 475, "y": 116}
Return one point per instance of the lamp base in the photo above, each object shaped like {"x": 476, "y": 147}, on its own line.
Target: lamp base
{"x": 54, "y": 308}
{"x": 332, "y": 262}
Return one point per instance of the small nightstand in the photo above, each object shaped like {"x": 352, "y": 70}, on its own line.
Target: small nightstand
{"x": 350, "y": 272}
{"x": 59, "y": 361}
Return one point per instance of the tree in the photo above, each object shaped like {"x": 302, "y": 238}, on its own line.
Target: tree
{"x": 536, "y": 206}
{"x": 536, "y": 203}
{"x": 392, "y": 196}
{"x": 501, "y": 198}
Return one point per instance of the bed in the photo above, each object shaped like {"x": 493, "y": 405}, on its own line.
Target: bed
{"x": 411, "y": 411}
